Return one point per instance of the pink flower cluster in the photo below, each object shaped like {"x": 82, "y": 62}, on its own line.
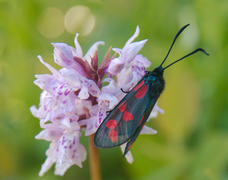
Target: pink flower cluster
{"x": 76, "y": 98}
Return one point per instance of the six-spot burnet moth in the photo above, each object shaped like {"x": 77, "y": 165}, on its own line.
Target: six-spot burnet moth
{"x": 124, "y": 123}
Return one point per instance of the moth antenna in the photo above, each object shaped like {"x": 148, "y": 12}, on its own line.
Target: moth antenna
{"x": 193, "y": 52}
{"x": 176, "y": 36}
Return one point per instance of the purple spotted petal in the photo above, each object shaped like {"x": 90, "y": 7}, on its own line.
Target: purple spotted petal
{"x": 115, "y": 66}
{"x": 70, "y": 152}
{"x": 91, "y": 126}
{"x": 63, "y": 54}
{"x": 65, "y": 149}
{"x": 72, "y": 78}
{"x": 49, "y": 134}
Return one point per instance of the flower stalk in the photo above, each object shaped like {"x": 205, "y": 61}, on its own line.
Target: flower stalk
{"x": 94, "y": 158}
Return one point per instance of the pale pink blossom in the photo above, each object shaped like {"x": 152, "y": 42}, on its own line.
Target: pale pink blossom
{"x": 74, "y": 98}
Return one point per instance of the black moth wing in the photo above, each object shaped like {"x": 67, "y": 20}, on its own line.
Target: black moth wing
{"x": 136, "y": 106}
{"x": 156, "y": 85}
{"x": 142, "y": 123}
{"x": 125, "y": 129}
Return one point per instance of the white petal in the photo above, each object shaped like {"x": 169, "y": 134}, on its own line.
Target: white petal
{"x": 115, "y": 66}
{"x": 49, "y": 135}
{"x": 132, "y": 50}
{"x": 70, "y": 152}
{"x": 78, "y": 47}
{"x": 34, "y": 111}
{"x": 118, "y": 50}
{"x": 63, "y": 54}
{"x": 53, "y": 70}
{"x": 148, "y": 130}
{"x": 72, "y": 78}
{"x": 128, "y": 156}
{"x": 83, "y": 94}
{"x": 93, "y": 89}
{"x": 46, "y": 166}
{"x": 90, "y": 126}
{"x": 134, "y": 36}
{"x": 142, "y": 60}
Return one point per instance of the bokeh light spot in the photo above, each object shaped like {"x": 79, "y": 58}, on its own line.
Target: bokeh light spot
{"x": 51, "y": 23}
{"x": 79, "y": 19}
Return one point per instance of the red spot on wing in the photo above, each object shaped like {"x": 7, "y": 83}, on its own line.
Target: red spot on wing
{"x": 111, "y": 124}
{"x": 113, "y": 135}
{"x": 143, "y": 125}
{"x": 123, "y": 106}
{"x": 141, "y": 92}
{"x": 127, "y": 116}
{"x": 138, "y": 86}
{"x": 130, "y": 146}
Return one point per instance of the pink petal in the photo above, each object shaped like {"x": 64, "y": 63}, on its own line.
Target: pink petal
{"x": 93, "y": 88}
{"x": 78, "y": 47}
{"x": 142, "y": 60}
{"x": 115, "y": 66}
{"x": 53, "y": 70}
{"x": 70, "y": 152}
{"x": 83, "y": 94}
{"x": 118, "y": 50}
{"x": 109, "y": 98}
{"x": 72, "y": 78}
{"x": 92, "y": 50}
{"x": 46, "y": 166}
{"x": 34, "y": 111}
{"x": 134, "y": 36}
{"x": 91, "y": 127}
{"x": 51, "y": 158}
{"x": 46, "y": 82}
{"x": 111, "y": 88}
{"x": 63, "y": 54}
{"x": 132, "y": 50}
{"x": 49, "y": 135}
{"x": 127, "y": 79}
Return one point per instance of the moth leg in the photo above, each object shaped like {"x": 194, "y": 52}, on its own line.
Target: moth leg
{"x": 146, "y": 71}
{"x": 124, "y": 91}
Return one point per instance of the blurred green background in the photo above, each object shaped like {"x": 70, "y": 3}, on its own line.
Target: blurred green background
{"x": 192, "y": 139}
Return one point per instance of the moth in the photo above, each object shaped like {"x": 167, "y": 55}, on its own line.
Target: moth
{"x": 124, "y": 123}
